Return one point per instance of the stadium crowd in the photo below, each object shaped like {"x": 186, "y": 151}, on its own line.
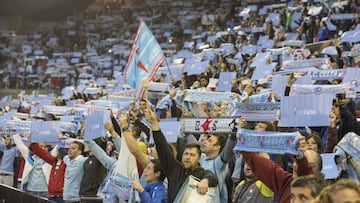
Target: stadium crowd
{"x": 97, "y": 142}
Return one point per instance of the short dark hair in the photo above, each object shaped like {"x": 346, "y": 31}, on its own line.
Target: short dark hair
{"x": 194, "y": 145}
{"x": 158, "y": 167}
{"x": 80, "y": 146}
{"x": 221, "y": 140}
{"x": 315, "y": 183}
{"x": 269, "y": 125}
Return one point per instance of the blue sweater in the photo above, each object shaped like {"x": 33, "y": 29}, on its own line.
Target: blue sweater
{"x": 323, "y": 34}
{"x": 154, "y": 193}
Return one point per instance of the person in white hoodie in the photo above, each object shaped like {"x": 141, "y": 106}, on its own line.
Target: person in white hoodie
{"x": 35, "y": 177}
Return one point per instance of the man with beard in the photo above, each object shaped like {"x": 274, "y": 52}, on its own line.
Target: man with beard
{"x": 252, "y": 190}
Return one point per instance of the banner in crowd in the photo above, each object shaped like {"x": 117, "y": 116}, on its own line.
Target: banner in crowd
{"x": 145, "y": 59}
{"x": 94, "y": 126}
{"x": 171, "y": 129}
{"x": 197, "y": 68}
{"x": 268, "y": 142}
{"x": 261, "y": 98}
{"x": 207, "y": 125}
{"x": 329, "y": 168}
{"x": 56, "y": 110}
{"x": 260, "y": 59}
{"x": 304, "y": 110}
{"x": 91, "y": 109}
{"x": 21, "y": 116}
{"x": 326, "y": 74}
{"x": 249, "y": 49}
{"x": 120, "y": 186}
{"x": 18, "y": 125}
{"x": 72, "y": 103}
{"x": 262, "y": 70}
{"x": 314, "y": 62}
{"x": 225, "y": 79}
{"x": 352, "y": 76}
{"x": 344, "y": 16}
{"x": 350, "y": 144}
{"x": 7, "y": 132}
{"x": 279, "y": 83}
{"x": 288, "y": 43}
{"x": 346, "y": 88}
{"x": 65, "y": 142}
{"x": 257, "y": 111}
{"x": 69, "y": 127}
{"x": 6, "y": 117}
{"x": 45, "y": 131}
{"x": 198, "y": 96}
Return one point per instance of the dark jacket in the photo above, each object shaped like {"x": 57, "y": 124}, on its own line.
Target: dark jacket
{"x": 174, "y": 170}
{"x": 94, "y": 173}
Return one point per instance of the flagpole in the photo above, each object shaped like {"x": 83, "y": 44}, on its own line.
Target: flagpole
{"x": 145, "y": 85}
{"x": 167, "y": 65}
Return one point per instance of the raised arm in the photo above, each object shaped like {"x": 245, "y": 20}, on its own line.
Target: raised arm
{"x": 43, "y": 154}
{"x": 115, "y": 137}
{"x": 131, "y": 142}
{"x": 164, "y": 152}
{"x": 227, "y": 153}
{"x": 275, "y": 177}
{"x": 24, "y": 150}
{"x": 101, "y": 155}
{"x": 332, "y": 136}
{"x": 140, "y": 124}
{"x": 290, "y": 82}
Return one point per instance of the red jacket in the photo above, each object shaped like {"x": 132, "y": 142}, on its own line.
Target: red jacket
{"x": 273, "y": 176}
{"x": 56, "y": 179}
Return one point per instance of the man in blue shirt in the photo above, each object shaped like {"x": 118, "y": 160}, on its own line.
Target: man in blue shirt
{"x": 74, "y": 161}
{"x": 7, "y": 161}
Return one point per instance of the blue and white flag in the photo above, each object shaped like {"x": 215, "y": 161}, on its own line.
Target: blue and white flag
{"x": 56, "y": 110}
{"x": 326, "y": 74}
{"x": 68, "y": 127}
{"x": 249, "y": 49}
{"x": 268, "y": 142}
{"x": 260, "y": 59}
{"x": 347, "y": 88}
{"x": 120, "y": 186}
{"x": 304, "y": 110}
{"x": 6, "y": 117}
{"x": 208, "y": 125}
{"x": 19, "y": 125}
{"x": 198, "y": 96}
{"x": 344, "y": 16}
{"x": 262, "y": 70}
{"x": 170, "y": 129}
{"x": 329, "y": 168}
{"x": 261, "y": 98}
{"x": 45, "y": 131}
{"x": 94, "y": 127}
{"x": 164, "y": 103}
{"x": 198, "y": 68}
{"x": 145, "y": 59}
{"x": 352, "y": 76}
{"x": 350, "y": 144}
{"x": 257, "y": 111}
{"x": 315, "y": 62}
{"x": 224, "y": 83}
